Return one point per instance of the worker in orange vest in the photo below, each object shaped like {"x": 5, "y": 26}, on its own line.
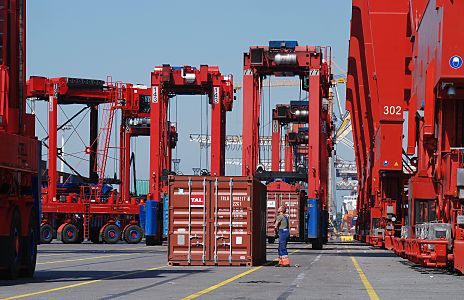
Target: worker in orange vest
{"x": 282, "y": 227}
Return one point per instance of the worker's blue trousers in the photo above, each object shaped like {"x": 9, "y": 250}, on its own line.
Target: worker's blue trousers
{"x": 284, "y": 236}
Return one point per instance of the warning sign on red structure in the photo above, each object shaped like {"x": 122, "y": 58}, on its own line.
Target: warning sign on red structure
{"x": 197, "y": 201}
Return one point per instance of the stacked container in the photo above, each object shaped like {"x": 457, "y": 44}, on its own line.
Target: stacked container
{"x": 216, "y": 221}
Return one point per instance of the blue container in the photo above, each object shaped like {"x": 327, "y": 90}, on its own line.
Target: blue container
{"x": 313, "y": 217}
{"x": 165, "y": 216}
{"x": 142, "y": 186}
{"x": 283, "y": 44}
{"x": 151, "y": 213}
{"x": 142, "y": 216}
{"x": 324, "y": 223}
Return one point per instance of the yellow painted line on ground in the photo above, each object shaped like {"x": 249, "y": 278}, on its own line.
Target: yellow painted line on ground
{"x": 81, "y": 259}
{"x": 55, "y": 254}
{"x": 80, "y": 284}
{"x": 227, "y": 281}
{"x": 370, "y": 290}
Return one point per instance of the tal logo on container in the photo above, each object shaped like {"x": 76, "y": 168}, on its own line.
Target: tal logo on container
{"x": 197, "y": 201}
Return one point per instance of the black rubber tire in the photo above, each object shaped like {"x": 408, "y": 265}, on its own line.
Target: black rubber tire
{"x": 29, "y": 248}
{"x": 69, "y": 234}
{"x": 150, "y": 240}
{"x": 133, "y": 234}
{"x": 11, "y": 251}
{"x": 111, "y": 234}
{"x": 271, "y": 240}
{"x": 46, "y": 234}
{"x": 317, "y": 244}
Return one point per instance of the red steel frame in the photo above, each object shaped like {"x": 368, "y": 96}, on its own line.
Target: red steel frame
{"x": 283, "y": 114}
{"x": 428, "y": 82}
{"x": 307, "y": 63}
{"x": 436, "y": 133}
{"x": 88, "y": 203}
{"x": 167, "y": 81}
{"x": 376, "y": 106}
{"x": 19, "y": 159}
{"x": 135, "y": 122}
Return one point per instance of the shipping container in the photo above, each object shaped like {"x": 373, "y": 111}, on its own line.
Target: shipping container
{"x": 281, "y": 193}
{"x": 142, "y": 187}
{"x": 216, "y": 221}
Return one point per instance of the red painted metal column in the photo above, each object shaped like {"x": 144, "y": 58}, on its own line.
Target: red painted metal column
{"x": 218, "y": 124}
{"x": 314, "y": 134}
{"x": 250, "y": 135}
{"x": 52, "y": 145}
{"x": 155, "y": 142}
{"x": 165, "y": 149}
{"x": 275, "y": 146}
{"x": 288, "y": 156}
{"x": 122, "y": 163}
{"x": 125, "y": 163}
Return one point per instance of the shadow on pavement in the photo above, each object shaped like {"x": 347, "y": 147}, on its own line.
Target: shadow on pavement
{"x": 427, "y": 270}
{"x": 78, "y": 276}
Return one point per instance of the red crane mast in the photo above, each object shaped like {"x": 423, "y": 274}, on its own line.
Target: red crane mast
{"x": 376, "y": 106}
{"x": 19, "y": 160}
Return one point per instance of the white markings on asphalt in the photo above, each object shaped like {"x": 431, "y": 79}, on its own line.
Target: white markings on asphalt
{"x": 316, "y": 259}
{"x": 296, "y": 283}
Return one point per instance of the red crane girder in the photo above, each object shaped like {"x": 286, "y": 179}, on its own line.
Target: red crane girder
{"x": 167, "y": 81}
{"x": 68, "y": 90}
{"x": 308, "y": 63}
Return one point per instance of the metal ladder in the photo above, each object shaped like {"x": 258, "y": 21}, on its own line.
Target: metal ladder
{"x": 87, "y": 221}
{"x": 114, "y": 95}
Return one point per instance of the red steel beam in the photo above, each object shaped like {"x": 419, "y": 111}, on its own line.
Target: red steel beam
{"x": 167, "y": 81}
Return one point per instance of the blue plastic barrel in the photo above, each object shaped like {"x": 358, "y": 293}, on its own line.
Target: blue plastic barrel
{"x": 142, "y": 216}
{"x": 151, "y": 208}
{"x": 165, "y": 215}
{"x": 313, "y": 218}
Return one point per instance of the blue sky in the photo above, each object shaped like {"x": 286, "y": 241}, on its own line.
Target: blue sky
{"x": 126, "y": 39}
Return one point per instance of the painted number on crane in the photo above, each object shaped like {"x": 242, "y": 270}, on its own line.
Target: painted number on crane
{"x": 314, "y": 72}
{"x": 392, "y": 110}
{"x": 50, "y": 103}
{"x": 275, "y": 126}
{"x": 216, "y": 95}
{"x": 155, "y": 94}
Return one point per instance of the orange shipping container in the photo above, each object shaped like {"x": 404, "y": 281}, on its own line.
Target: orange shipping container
{"x": 216, "y": 221}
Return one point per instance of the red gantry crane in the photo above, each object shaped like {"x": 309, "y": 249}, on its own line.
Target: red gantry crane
{"x": 88, "y": 209}
{"x": 435, "y": 226}
{"x": 20, "y": 154}
{"x": 309, "y": 63}
{"x": 168, "y": 81}
{"x": 409, "y": 200}
{"x": 376, "y": 106}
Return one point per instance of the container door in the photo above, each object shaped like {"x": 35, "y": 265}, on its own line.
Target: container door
{"x": 232, "y": 223}
{"x": 188, "y": 221}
